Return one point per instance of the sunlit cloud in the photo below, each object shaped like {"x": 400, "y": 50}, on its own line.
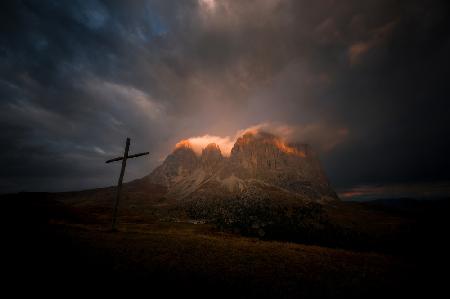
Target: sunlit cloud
{"x": 198, "y": 143}
{"x": 323, "y": 138}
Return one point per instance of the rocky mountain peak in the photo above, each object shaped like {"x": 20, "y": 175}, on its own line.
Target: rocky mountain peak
{"x": 266, "y": 142}
{"x": 211, "y": 148}
{"x": 183, "y": 155}
{"x": 256, "y": 158}
{"x": 211, "y": 156}
{"x": 183, "y": 144}
{"x": 181, "y": 163}
{"x": 264, "y": 150}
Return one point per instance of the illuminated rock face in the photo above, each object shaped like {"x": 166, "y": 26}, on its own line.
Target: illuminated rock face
{"x": 258, "y": 162}
{"x": 177, "y": 166}
{"x": 211, "y": 157}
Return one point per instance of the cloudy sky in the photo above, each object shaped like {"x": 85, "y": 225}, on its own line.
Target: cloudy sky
{"x": 365, "y": 82}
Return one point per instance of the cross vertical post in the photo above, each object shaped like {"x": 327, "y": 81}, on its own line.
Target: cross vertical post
{"x": 124, "y": 159}
{"x": 119, "y": 184}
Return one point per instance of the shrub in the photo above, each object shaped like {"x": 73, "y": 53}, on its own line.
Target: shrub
{"x": 292, "y": 220}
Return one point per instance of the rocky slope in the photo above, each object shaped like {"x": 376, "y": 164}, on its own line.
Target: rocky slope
{"x": 260, "y": 164}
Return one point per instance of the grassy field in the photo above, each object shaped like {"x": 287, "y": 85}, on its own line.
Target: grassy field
{"x": 55, "y": 246}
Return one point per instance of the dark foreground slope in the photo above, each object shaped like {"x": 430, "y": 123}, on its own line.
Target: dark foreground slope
{"x": 52, "y": 246}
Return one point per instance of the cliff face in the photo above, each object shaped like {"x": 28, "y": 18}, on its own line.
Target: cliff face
{"x": 211, "y": 158}
{"x": 176, "y": 167}
{"x": 267, "y": 158}
{"x": 258, "y": 162}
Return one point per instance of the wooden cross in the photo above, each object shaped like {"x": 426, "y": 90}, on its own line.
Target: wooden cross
{"x": 124, "y": 159}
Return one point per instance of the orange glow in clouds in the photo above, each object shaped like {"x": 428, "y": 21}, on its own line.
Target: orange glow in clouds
{"x": 320, "y": 136}
{"x": 183, "y": 144}
{"x": 271, "y": 139}
{"x": 288, "y": 149}
{"x": 198, "y": 143}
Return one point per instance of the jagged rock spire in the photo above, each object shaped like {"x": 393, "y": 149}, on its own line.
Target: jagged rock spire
{"x": 211, "y": 156}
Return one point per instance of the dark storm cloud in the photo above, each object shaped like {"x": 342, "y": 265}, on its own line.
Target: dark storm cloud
{"x": 365, "y": 81}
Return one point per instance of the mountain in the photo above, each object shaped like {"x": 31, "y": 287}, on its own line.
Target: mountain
{"x": 260, "y": 164}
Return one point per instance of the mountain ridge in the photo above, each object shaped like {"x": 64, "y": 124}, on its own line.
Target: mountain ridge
{"x": 258, "y": 161}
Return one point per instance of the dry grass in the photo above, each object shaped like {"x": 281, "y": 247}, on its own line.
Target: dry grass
{"x": 65, "y": 240}
{"x": 196, "y": 254}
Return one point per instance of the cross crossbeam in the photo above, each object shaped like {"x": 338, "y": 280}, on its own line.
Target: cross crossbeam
{"x": 129, "y": 157}
{"x": 124, "y": 159}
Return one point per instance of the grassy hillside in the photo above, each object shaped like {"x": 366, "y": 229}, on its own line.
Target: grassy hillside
{"x": 61, "y": 243}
